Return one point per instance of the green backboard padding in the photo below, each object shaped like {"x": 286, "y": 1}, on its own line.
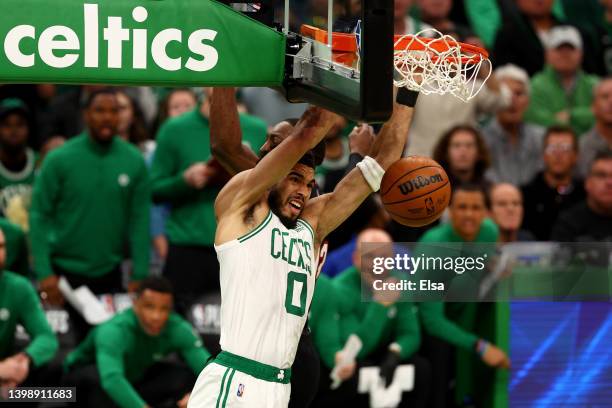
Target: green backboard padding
{"x": 154, "y": 42}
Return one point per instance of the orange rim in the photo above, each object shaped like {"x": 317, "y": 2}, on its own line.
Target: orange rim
{"x": 478, "y": 53}
{"x": 341, "y": 42}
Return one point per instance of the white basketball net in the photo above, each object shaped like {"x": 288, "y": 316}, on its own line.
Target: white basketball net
{"x": 429, "y": 71}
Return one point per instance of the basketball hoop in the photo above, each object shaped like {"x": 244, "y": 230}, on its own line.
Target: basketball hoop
{"x": 433, "y": 63}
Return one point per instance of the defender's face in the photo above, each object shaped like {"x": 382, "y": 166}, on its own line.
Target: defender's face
{"x": 275, "y": 136}
{"x": 291, "y": 194}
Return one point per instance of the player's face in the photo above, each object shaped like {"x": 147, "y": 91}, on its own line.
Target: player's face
{"x": 520, "y": 101}
{"x": 153, "y": 309}
{"x": 507, "y": 207}
{"x": 288, "y": 198}
{"x": 599, "y": 184}
{"x": 462, "y": 151}
{"x": 560, "y": 154}
{"x": 467, "y": 211}
{"x": 13, "y": 132}
{"x": 602, "y": 103}
{"x": 102, "y": 117}
{"x": 277, "y": 134}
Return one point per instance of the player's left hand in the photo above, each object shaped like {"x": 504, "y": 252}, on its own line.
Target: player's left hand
{"x": 388, "y": 366}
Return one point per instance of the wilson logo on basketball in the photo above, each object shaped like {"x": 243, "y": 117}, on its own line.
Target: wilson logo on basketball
{"x": 419, "y": 182}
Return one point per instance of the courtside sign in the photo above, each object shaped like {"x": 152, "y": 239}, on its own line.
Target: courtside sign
{"x": 154, "y": 42}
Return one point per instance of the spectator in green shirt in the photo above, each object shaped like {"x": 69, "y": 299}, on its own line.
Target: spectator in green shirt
{"x": 123, "y": 361}
{"x": 388, "y": 330}
{"x": 562, "y": 94}
{"x": 90, "y": 200}
{"x": 19, "y": 304}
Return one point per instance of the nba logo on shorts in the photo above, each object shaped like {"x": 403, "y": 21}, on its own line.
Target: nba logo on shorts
{"x": 240, "y": 390}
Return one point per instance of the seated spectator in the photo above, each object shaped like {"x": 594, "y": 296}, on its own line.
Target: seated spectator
{"x": 120, "y": 361}
{"x": 469, "y": 224}
{"x": 515, "y": 146}
{"x": 17, "y": 257}
{"x": 554, "y": 189}
{"x": 464, "y": 155}
{"x": 91, "y": 195}
{"x": 591, "y": 220}
{"x": 562, "y": 92}
{"x": 388, "y": 331}
{"x": 19, "y": 304}
{"x": 599, "y": 138}
{"x": 17, "y": 161}
{"x": 507, "y": 212}
{"x": 522, "y": 37}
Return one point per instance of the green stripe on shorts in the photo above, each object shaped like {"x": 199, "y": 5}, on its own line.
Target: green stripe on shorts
{"x": 227, "y": 388}
{"x": 221, "y": 389}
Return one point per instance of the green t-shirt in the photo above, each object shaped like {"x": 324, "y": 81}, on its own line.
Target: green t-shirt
{"x": 19, "y": 304}
{"x": 181, "y": 142}
{"x": 122, "y": 352}
{"x": 88, "y": 200}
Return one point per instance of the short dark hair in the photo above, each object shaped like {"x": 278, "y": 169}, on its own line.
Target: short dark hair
{"x": 156, "y": 284}
{"x": 471, "y": 188}
{"x": 600, "y": 155}
{"x": 93, "y": 95}
{"x": 563, "y": 129}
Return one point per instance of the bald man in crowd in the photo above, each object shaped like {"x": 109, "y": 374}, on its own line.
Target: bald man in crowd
{"x": 507, "y": 212}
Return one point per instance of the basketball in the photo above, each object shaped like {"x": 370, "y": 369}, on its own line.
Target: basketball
{"x": 415, "y": 191}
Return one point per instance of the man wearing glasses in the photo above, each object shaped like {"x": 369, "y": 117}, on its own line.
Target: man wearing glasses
{"x": 554, "y": 189}
{"x": 591, "y": 220}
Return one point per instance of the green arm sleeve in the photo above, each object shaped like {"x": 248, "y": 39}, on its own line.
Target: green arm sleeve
{"x": 408, "y": 331}
{"x": 44, "y": 195}
{"x": 43, "y": 345}
{"x": 436, "y": 324}
{"x": 167, "y": 180}
{"x": 191, "y": 349}
{"x": 372, "y": 328}
{"x": 109, "y": 360}
{"x": 325, "y": 322}
{"x": 139, "y": 225}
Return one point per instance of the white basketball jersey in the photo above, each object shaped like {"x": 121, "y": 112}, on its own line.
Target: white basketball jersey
{"x": 267, "y": 282}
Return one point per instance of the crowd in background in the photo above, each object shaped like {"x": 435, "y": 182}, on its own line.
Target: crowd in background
{"x": 108, "y": 188}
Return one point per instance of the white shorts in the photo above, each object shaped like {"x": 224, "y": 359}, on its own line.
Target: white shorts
{"x": 222, "y": 387}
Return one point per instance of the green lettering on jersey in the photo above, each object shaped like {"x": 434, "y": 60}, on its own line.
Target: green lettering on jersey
{"x": 284, "y": 234}
{"x": 275, "y": 255}
{"x": 291, "y": 252}
{"x": 300, "y": 261}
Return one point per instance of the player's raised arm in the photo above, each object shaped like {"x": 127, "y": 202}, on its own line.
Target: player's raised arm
{"x": 248, "y": 187}
{"x": 226, "y": 135}
{"x": 327, "y": 212}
